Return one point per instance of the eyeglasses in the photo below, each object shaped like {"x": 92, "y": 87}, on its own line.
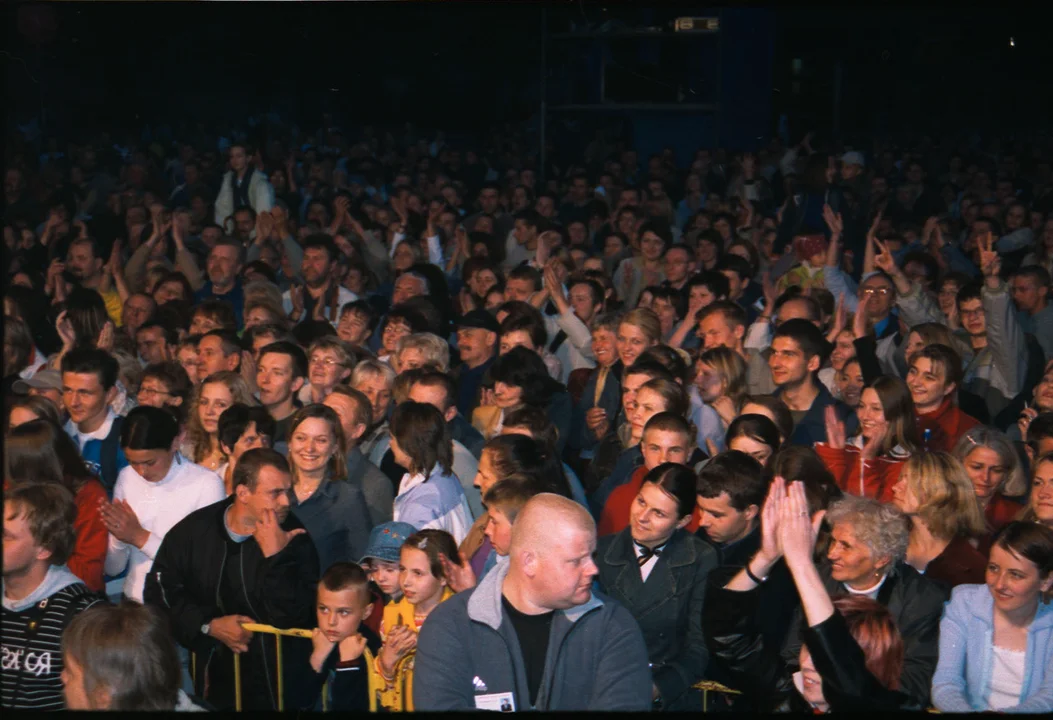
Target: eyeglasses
{"x": 876, "y": 291}
{"x": 152, "y": 391}
{"x": 328, "y": 362}
{"x": 971, "y": 313}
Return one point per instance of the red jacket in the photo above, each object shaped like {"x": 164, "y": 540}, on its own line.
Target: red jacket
{"x": 856, "y": 476}
{"x": 615, "y": 517}
{"x": 89, "y": 554}
{"x": 941, "y": 429}
{"x": 1000, "y": 512}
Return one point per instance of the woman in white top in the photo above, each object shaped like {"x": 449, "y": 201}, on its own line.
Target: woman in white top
{"x": 996, "y": 640}
{"x": 158, "y": 489}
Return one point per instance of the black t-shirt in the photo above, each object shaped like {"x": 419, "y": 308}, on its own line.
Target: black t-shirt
{"x": 533, "y": 632}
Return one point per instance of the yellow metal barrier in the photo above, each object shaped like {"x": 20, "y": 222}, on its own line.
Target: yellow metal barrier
{"x": 708, "y": 686}
{"x": 278, "y": 634}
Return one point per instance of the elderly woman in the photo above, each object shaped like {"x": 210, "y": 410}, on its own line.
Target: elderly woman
{"x": 996, "y": 642}
{"x": 851, "y": 654}
{"x": 329, "y": 363}
{"x": 420, "y": 349}
{"x": 868, "y": 545}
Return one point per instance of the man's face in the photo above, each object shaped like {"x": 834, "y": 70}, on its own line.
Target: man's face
{"x": 662, "y": 446}
{"x": 20, "y": 549}
{"x": 722, "y": 522}
{"x": 378, "y": 391}
{"x": 850, "y": 171}
{"x": 223, "y": 265}
{"x": 315, "y": 267}
{"x": 345, "y": 409}
{"x": 340, "y": 612}
{"x": 433, "y": 395}
{"x": 317, "y": 215}
{"x": 272, "y": 493}
{"x": 581, "y": 302}
{"x": 238, "y": 159}
{"x": 666, "y": 312}
{"x": 81, "y": 263}
{"x": 55, "y": 396}
{"x": 928, "y": 384}
{"x": 488, "y": 200}
{"x": 736, "y": 285}
{"x": 353, "y": 328}
{"x": 243, "y": 223}
{"x": 476, "y": 345}
{"x": 210, "y": 236}
{"x": 788, "y": 364}
{"x": 545, "y": 207}
{"x": 973, "y": 319}
{"x": 579, "y": 190}
{"x": 152, "y": 465}
{"x": 275, "y": 379}
{"x": 678, "y": 265}
{"x": 137, "y": 310}
{"x": 630, "y": 385}
{"x": 84, "y": 396}
{"x": 518, "y": 289}
{"x": 407, "y": 286}
{"x": 499, "y": 529}
{"x": 565, "y": 568}
{"x": 524, "y": 233}
{"x": 211, "y": 358}
{"x": 152, "y": 345}
{"x": 881, "y": 294}
{"x": 1028, "y": 295}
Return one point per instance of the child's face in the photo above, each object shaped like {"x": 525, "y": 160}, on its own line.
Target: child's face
{"x": 340, "y": 612}
{"x": 415, "y": 578}
{"x": 385, "y": 574}
{"x": 499, "y": 530}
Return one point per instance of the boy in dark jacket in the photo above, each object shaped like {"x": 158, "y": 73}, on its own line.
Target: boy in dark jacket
{"x": 344, "y": 646}
{"x": 245, "y": 559}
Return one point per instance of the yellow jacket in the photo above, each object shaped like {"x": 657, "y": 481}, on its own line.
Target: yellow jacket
{"x": 397, "y": 693}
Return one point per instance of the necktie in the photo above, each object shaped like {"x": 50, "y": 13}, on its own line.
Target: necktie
{"x": 647, "y": 553}
{"x": 601, "y": 380}
{"x": 557, "y": 341}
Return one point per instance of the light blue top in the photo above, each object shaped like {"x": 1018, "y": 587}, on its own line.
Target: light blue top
{"x": 962, "y": 682}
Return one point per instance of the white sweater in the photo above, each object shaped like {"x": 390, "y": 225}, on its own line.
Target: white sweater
{"x": 159, "y": 506}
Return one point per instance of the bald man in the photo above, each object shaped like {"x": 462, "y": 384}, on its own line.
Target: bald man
{"x": 533, "y": 635}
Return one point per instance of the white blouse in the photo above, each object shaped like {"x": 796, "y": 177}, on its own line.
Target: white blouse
{"x": 1007, "y": 678}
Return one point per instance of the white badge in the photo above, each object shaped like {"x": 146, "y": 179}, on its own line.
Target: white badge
{"x": 500, "y": 702}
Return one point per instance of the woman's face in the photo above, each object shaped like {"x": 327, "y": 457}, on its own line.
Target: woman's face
{"x": 506, "y": 396}
{"x": 215, "y": 398}
{"x": 354, "y": 281}
{"x": 850, "y": 383}
{"x": 188, "y": 359}
{"x": 844, "y": 350}
{"x": 852, "y": 562}
{"x": 258, "y": 316}
{"x": 631, "y": 342}
{"x": 403, "y": 257}
{"x": 651, "y": 246}
{"x": 648, "y": 404}
{"x": 482, "y": 281}
{"x": 394, "y": 331}
{"x": 311, "y": 444}
{"x": 903, "y": 495}
{"x": 914, "y": 344}
{"x": 811, "y": 681}
{"x": 612, "y": 246}
{"x": 709, "y": 381}
{"x": 604, "y": 344}
{"x": 325, "y": 369}
{"x": 1014, "y": 581}
{"x": 872, "y": 415}
{"x": 986, "y": 471}
{"x": 486, "y": 475}
{"x": 418, "y": 585}
{"x": 761, "y": 452}
{"x": 1043, "y": 393}
{"x": 947, "y": 297}
{"x": 353, "y": 328}
{"x": 707, "y": 252}
{"x": 654, "y": 517}
{"x": 168, "y": 291}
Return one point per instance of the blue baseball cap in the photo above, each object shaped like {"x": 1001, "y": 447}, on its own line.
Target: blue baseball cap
{"x": 385, "y": 541}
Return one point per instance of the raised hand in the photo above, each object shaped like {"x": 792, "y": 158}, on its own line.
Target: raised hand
{"x": 883, "y": 259}
{"x": 65, "y": 330}
{"x": 840, "y": 319}
{"x": 797, "y": 529}
{"x": 835, "y": 429}
{"x": 990, "y": 262}
{"x": 281, "y": 221}
{"x": 459, "y": 576}
{"x": 769, "y": 550}
{"x": 833, "y": 220}
{"x": 872, "y": 232}
{"x": 859, "y": 322}
{"x": 270, "y": 536}
{"x": 770, "y": 294}
{"x": 296, "y": 298}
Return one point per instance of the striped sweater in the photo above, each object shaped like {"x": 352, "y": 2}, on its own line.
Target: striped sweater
{"x": 32, "y": 641}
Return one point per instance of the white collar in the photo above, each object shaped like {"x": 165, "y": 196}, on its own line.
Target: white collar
{"x": 409, "y": 482}
{"x": 871, "y": 591}
{"x": 99, "y": 433}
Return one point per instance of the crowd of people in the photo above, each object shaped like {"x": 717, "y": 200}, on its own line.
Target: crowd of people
{"x": 778, "y": 423}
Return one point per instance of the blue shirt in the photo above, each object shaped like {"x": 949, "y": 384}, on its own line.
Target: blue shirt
{"x": 236, "y": 298}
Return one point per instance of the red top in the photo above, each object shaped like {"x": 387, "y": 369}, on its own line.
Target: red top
{"x": 942, "y": 428}
{"x": 615, "y": 517}
{"x": 872, "y": 478}
{"x": 1000, "y": 512}
{"x": 89, "y": 553}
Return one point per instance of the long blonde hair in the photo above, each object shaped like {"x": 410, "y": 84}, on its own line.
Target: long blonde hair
{"x": 946, "y": 499}
{"x": 201, "y": 441}
{"x": 732, "y": 369}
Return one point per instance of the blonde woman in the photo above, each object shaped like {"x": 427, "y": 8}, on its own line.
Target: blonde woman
{"x": 638, "y": 330}
{"x": 720, "y": 376}
{"x": 333, "y": 510}
{"x": 217, "y": 393}
{"x": 937, "y": 495}
{"x": 419, "y": 349}
{"x": 994, "y": 468}
{"x": 1040, "y": 506}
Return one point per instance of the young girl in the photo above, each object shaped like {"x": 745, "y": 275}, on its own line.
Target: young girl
{"x": 217, "y": 393}
{"x": 424, "y": 586}
{"x": 869, "y": 463}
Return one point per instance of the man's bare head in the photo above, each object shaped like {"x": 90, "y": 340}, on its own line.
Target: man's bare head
{"x": 553, "y": 540}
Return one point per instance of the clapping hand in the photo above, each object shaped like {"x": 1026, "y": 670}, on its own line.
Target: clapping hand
{"x": 459, "y": 575}
{"x": 859, "y": 320}
{"x": 835, "y": 429}
{"x": 833, "y": 221}
{"x": 797, "y": 529}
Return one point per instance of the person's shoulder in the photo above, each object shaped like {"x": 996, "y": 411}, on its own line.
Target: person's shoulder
{"x": 922, "y": 589}
{"x": 92, "y": 489}
{"x": 77, "y": 597}
{"x": 969, "y": 596}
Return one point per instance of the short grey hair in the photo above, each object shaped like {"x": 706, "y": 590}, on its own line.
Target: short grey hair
{"x": 607, "y": 321}
{"x": 884, "y": 529}
{"x": 425, "y": 285}
{"x": 434, "y": 349}
{"x": 369, "y": 368}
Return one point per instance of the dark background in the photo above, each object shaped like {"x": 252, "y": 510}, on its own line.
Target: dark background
{"x": 467, "y": 67}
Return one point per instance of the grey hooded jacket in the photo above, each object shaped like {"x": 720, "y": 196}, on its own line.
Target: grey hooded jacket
{"x": 596, "y": 657}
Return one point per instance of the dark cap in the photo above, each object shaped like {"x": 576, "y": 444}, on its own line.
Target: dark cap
{"x": 479, "y": 319}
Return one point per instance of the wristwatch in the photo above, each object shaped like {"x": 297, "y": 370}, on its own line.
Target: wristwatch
{"x": 205, "y": 628}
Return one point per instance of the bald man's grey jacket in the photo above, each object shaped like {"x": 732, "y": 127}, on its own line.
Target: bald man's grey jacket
{"x": 468, "y": 648}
